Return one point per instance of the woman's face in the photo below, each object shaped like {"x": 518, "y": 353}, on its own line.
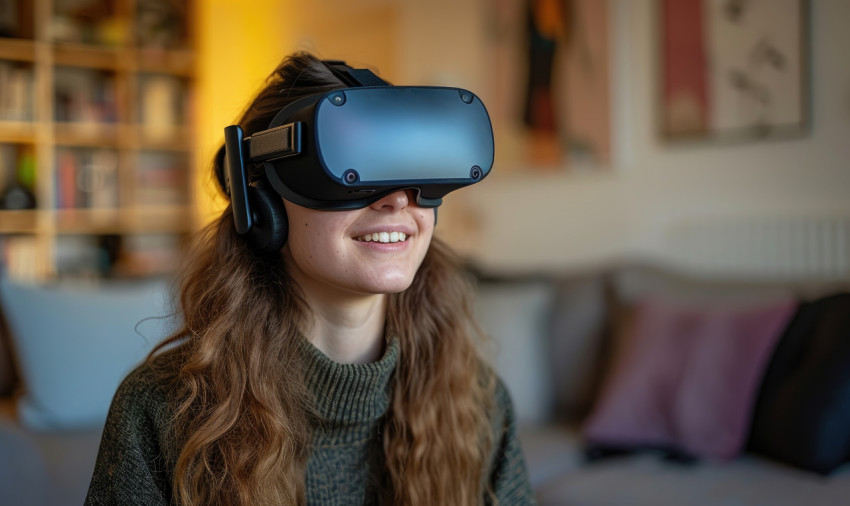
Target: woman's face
{"x": 373, "y": 250}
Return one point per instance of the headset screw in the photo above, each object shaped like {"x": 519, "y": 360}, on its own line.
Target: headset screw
{"x": 338, "y": 98}
{"x": 475, "y": 173}
{"x": 350, "y": 176}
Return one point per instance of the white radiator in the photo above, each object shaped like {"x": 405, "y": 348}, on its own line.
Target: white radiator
{"x": 816, "y": 248}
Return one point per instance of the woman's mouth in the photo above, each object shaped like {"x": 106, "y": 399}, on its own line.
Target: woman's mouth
{"x": 382, "y": 237}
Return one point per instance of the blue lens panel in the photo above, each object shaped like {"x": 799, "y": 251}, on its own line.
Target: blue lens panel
{"x": 404, "y": 134}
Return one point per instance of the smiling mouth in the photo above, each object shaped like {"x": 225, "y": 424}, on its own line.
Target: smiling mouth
{"x": 384, "y": 237}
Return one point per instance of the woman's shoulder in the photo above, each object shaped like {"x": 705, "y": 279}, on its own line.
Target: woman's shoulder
{"x": 503, "y": 404}
{"x": 501, "y": 407}
{"x": 149, "y": 387}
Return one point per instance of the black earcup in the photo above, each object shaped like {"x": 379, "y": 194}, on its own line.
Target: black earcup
{"x": 270, "y": 223}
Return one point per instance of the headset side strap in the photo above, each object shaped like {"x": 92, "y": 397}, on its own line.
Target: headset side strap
{"x": 354, "y": 77}
{"x": 237, "y": 183}
{"x": 274, "y": 143}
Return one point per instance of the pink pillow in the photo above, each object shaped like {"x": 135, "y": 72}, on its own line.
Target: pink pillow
{"x": 687, "y": 377}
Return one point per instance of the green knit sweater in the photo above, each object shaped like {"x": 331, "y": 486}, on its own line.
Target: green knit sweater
{"x": 137, "y": 455}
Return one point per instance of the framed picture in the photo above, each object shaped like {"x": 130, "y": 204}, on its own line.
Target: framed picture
{"x": 733, "y": 68}
{"x": 549, "y": 64}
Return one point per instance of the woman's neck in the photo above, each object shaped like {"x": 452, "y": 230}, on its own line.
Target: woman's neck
{"x": 350, "y": 331}
{"x": 346, "y": 326}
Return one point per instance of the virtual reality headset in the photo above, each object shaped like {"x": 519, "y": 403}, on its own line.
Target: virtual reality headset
{"x": 347, "y": 148}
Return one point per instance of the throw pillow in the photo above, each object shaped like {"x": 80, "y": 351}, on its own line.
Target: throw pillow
{"x": 686, "y": 377}
{"x": 515, "y": 315}
{"x": 74, "y": 345}
{"x": 802, "y": 416}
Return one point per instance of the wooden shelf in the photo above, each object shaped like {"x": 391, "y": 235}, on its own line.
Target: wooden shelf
{"x": 90, "y": 134}
{"x": 89, "y": 56}
{"x": 114, "y": 135}
{"x": 172, "y": 219}
{"x": 17, "y": 49}
{"x": 143, "y": 91}
{"x": 177, "y": 62}
{"x": 17, "y": 132}
{"x": 19, "y": 222}
{"x": 176, "y": 139}
{"x": 158, "y": 61}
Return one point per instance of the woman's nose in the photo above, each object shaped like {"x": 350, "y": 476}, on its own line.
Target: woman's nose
{"x": 395, "y": 201}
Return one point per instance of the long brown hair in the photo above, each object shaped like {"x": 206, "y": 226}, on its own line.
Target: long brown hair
{"x": 242, "y": 421}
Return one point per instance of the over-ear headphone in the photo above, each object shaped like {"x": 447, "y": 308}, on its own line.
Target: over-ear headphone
{"x": 257, "y": 209}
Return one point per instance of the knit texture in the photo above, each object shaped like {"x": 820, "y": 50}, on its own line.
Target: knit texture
{"x": 137, "y": 454}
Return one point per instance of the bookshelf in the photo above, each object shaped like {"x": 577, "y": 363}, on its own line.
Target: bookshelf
{"x": 96, "y": 136}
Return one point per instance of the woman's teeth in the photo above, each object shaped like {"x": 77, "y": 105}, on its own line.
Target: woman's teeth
{"x": 383, "y": 237}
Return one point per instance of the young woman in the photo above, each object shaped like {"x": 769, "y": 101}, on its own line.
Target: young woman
{"x": 341, "y": 369}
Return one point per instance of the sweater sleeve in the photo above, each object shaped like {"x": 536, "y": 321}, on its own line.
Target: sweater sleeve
{"x": 131, "y": 467}
{"x": 508, "y": 476}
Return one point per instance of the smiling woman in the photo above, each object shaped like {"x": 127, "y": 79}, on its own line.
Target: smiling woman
{"x": 328, "y": 352}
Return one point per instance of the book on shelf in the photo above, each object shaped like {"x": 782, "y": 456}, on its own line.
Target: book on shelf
{"x": 86, "y": 178}
{"x": 84, "y": 95}
{"x": 122, "y": 256}
{"x": 9, "y": 18}
{"x": 18, "y": 257}
{"x": 148, "y": 254}
{"x": 16, "y": 91}
{"x": 8, "y": 166}
{"x": 162, "y": 179}
{"x": 160, "y": 24}
{"x": 87, "y": 22}
{"x": 162, "y": 105}
{"x": 17, "y": 177}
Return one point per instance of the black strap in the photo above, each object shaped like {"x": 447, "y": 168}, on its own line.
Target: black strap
{"x": 354, "y": 77}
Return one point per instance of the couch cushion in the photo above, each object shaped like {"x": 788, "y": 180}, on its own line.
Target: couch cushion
{"x": 515, "y": 315}
{"x": 687, "y": 377}
{"x": 802, "y": 416}
{"x": 74, "y": 344}
{"x": 644, "y": 480}
{"x": 551, "y": 451}
{"x": 23, "y": 474}
{"x": 579, "y": 327}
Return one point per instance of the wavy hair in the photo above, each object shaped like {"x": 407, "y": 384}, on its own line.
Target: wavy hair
{"x": 242, "y": 414}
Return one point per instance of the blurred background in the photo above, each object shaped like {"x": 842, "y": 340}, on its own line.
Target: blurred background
{"x": 618, "y": 125}
{"x": 646, "y": 150}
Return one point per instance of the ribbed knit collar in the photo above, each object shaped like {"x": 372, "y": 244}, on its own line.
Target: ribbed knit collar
{"x": 350, "y": 398}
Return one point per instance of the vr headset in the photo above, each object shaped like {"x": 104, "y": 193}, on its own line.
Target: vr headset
{"x": 348, "y": 148}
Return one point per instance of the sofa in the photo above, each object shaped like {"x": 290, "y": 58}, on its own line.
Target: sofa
{"x": 64, "y": 348}
{"x": 564, "y": 344}
{"x": 642, "y": 385}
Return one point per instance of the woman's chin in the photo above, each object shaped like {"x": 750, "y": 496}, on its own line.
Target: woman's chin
{"x": 388, "y": 285}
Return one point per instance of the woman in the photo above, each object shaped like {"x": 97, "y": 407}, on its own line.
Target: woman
{"x": 341, "y": 369}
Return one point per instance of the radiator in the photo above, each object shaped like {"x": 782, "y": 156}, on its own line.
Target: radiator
{"x": 816, "y": 248}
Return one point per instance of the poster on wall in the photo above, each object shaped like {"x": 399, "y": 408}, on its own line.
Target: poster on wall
{"x": 733, "y": 68}
{"x": 550, "y": 74}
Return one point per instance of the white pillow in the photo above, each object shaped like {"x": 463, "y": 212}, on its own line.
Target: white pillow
{"x": 516, "y": 316}
{"x": 74, "y": 345}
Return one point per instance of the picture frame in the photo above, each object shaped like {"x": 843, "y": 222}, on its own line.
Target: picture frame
{"x": 733, "y": 69}
{"x": 551, "y": 91}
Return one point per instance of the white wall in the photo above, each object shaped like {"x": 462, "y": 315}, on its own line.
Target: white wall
{"x": 567, "y": 221}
